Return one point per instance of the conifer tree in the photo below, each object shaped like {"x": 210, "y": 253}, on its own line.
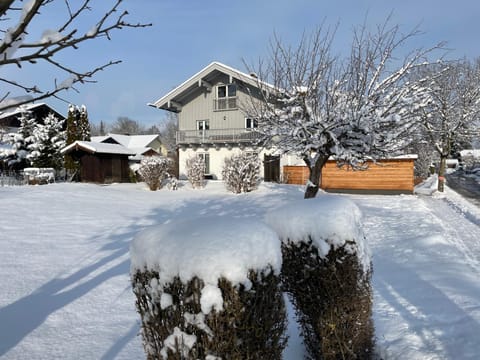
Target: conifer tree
{"x": 17, "y": 156}
{"x": 48, "y": 140}
{"x": 84, "y": 125}
{"x": 73, "y": 120}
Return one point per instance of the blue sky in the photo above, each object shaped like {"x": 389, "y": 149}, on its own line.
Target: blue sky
{"x": 189, "y": 34}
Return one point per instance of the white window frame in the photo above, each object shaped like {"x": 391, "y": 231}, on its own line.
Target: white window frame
{"x": 253, "y": 123}
{"x": 227, "y": 92}
{"x": 206, "y": 159}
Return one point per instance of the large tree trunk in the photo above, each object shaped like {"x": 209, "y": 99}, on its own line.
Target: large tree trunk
{"x": 441, "y": 173}
{"x": 315, "y": 167}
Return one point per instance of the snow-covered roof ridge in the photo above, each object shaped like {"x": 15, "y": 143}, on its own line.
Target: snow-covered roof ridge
{"x": 215, "y": 65}
{"x": 129, "y": 141}
{"x": 26, "y": 107}
{"x": 96, "y": 147}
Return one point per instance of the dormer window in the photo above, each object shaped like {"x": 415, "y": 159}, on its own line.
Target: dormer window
{"x": 226, "y": 97}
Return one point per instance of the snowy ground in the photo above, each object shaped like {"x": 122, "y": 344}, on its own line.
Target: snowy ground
{"x": 64, "y": 267}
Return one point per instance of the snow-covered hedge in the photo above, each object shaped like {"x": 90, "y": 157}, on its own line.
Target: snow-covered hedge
{"x": 326, "y": 272}
{"x": 153, "y": 169}
{"x": 195, "y": 167}
{"x": 209, "y": 289}
{"x": 241, "y": 172}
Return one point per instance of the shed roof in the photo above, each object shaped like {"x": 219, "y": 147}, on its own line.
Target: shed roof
{"x": 97, "y": 148}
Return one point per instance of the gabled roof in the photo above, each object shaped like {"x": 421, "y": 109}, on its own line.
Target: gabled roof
{"x": 129, "y": 141}
{"x": 172, "y": 100}
{"x": 10, "y": 118}
{"x": 97, "y": 148}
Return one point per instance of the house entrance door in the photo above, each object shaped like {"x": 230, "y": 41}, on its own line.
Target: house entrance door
{"x": 271, "y": 168}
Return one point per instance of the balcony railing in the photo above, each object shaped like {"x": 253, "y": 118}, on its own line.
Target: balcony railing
{"x": 216, "y": 136}
{"x": 228, "y": 103}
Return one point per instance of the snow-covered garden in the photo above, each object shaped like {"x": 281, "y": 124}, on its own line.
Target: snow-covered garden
{"x": 65, "y": 265}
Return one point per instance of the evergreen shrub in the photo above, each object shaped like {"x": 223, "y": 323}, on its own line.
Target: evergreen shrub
{"x": 332, "y": 296}
{"x": 251, "y": 324}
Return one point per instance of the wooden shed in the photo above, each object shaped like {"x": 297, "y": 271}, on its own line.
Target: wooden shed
{"x": 394, "y": 175}
{"x": 101, "y": 163}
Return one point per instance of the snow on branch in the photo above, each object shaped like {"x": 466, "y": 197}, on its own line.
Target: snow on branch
{"x": 18, "y": 48}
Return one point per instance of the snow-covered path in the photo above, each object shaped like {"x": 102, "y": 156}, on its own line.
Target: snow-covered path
{"x": 64, "y": 267}
{"x": 426, "y": 277}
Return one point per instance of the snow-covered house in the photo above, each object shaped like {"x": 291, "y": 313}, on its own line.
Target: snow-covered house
{"x": 211, "y": 122}
{"x": 10, "y": 119}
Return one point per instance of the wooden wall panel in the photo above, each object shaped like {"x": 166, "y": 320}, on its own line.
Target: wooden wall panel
{"x": 389, "y": 175}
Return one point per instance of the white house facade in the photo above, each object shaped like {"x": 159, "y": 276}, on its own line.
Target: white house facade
{"x": 211, "y": 121}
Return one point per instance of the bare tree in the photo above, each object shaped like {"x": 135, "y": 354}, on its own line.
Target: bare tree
{"x": 127, "y": 126}
{"x": 168, "y": 131}
{"x": 18, "y": 47}
{"x": 451, "y": 119}
{"x": 354, "y": 109}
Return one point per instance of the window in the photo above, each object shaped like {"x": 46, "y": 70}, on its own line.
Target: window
{"x": 225, "y": 91}
{"x": 206, "y": 158}
{"x": 226, "y": 97}
{"x": 203, "y": 125}
{"x": 251, "y": 123}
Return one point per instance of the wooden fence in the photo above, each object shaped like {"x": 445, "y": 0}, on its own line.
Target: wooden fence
{"x": 392, "y": 175}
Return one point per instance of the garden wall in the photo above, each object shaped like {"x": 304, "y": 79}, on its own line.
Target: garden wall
{"x": 392, "y": 175}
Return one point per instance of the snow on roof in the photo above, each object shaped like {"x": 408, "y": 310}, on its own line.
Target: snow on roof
{"x": 129, "y": 141}
{"x": 207, "y": 248}
{"x": 249, "y": 79}
{"x": 98, "y": 138}
{"x": 472, "y": 152}
{"x": 100, "y": 148}
{"x": 139, "y": 153}
{"x": 26, "y": 107}
{"x": 329, "y": 220}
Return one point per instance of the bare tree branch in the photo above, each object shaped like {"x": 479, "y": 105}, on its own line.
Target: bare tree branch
{"x": 16, "y": 50}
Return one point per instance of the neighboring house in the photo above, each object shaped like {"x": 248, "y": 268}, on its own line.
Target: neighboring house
{"x": 10, "y": 120}
{"x": 211, "y": 122}
{"x": 140, "y": 145}
{"x": 101, "y": 162}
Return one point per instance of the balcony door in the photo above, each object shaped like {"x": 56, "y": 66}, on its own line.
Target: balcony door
{"x": 202, "y": 127}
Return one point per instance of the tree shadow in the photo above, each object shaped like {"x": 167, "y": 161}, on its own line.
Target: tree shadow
{"x": 26, "y": 314}
{"x": 428, "y": 312}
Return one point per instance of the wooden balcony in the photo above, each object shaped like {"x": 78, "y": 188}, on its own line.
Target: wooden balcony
{"x": 216, "y": 136}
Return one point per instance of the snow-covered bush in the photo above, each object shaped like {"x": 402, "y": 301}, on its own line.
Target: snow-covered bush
{"x": 47, "y": 141}
{"x": 15, "y": 156}
{"x": 241, "y": 172}
{"x": 195, "y": 167}
{"x": 153, "y": 170}
{"x": 326, "y": 272}
{"x": 209, "y": 289}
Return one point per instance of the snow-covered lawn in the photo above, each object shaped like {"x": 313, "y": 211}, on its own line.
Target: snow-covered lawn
{"x": 64, "y": 267}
